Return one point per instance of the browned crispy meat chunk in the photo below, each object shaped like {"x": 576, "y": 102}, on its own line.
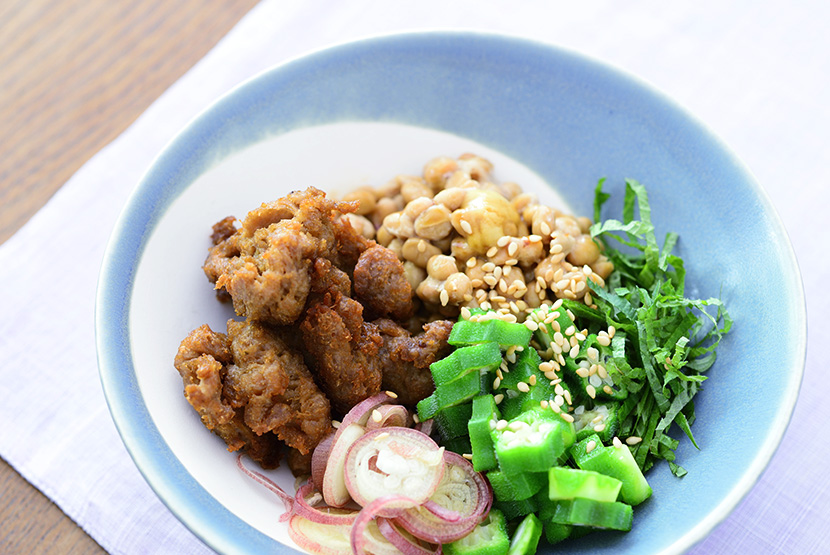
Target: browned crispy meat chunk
{"x": 266, "y": 264}
{"x": 202, "y": 360}
{"x": 275, "y": 388}
{"x": 406, "y": 358}
{"x": 381, "y": 285}
{"x": 342, "y": 350}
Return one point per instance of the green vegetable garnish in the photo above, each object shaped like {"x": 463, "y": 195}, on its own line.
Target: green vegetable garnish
{"x": 663, "y": 339}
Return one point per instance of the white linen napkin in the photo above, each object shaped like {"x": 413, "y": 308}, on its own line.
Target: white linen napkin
{"x": 757, "y": 73}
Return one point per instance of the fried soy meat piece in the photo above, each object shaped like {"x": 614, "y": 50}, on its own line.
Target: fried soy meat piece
{"x": 275, "y": 388}
{"x": 405, "y": 358}
{"x": 265, "y": 265}
{"x": 202, "y": 361}
{"x": 342, "y": 350}
{"x": 380, "y": 283}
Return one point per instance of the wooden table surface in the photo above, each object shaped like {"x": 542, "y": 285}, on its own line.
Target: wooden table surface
{"x": 73, "y": 75}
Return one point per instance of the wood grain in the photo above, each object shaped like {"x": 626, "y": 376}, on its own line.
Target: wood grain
{"x": 73, "y": 75}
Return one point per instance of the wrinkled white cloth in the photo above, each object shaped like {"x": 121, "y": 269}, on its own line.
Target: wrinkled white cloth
{"x": 758, "y": 73}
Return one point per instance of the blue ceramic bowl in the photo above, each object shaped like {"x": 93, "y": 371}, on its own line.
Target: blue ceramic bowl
{"x": 367, "y": 110}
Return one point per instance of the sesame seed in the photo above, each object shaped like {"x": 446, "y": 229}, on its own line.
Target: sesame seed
{"x": 591, "y": 391}
{"x": 512, "y": 248}
{"x": 490, "y": 280}
{"x": 391, "y": 394}
{"x": 416, "y": 418}
{"x": 533, "y": 238}
{"x": 555, "y": 407}
{"x": 468, "y": 456}
{"x": 498, "y": 398}
{"x": 568, "y": 417}
{"x": 493, "y": 251}
{"x": 592, "y": 353}
{"x": 599, "y": 427}
{"x": 574, "y": 352}
{"x": 568, "y": 397}
{"x": 551, "y": 375}
{"x": 465, "y": 313}
{"x": 561, "y": 284}
{"x": 445, "y": 298}
{"x": 611, "y": 331}
{"x": 587, "y": 270}
{"x": 556, "y": 248}
{"x": 607, "y": 389}
{"x": 381, "y": 435}
{"x": 492, "y": 424}
{"x": 466, "y": 227}
{"x": 501, "y": 425}
{"x": 616, "y": 441}
{"x": 590, "y": 446}
{"x": 471, "y": 262}
{"x": 570, "y": 315}
{"x": 335, "y": 424}
{"x": 541, "y": 282}
{"x": 589, "y": 300}
{"x": 376, "y": 416}
{"x": 422, "y": 246}
{"x": 545, "y": 228}
{"x": 496, "y": 383}
{"x": 604, "y": 340}
{"x": 523, "y": 387}
{"x": 633, "y": 440}
{"x": 511, "y": 262}
{"x": 532, "y": 379}
{"x": 558, "y": 400}
{"x": 497, "y": 272}
{"x": 485, "y": 305}
{"x": 559, "y": 390}
{"x": 476, "y": 283}
{"x": 601, "y": 371}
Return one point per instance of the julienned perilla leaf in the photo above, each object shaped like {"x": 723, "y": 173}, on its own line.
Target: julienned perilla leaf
{"x": 665, "y": 342}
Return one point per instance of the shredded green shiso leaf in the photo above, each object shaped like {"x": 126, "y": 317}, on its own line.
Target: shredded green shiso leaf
{"x": 665, "y": 342}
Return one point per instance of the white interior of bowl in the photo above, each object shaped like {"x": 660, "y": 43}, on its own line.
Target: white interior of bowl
{"x": 172, "y": 296}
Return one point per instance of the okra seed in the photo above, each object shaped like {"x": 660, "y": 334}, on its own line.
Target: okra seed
{"x": 616, "y": 441}
{"x": 501, "y": 424}
{"x": 595, "y": 380}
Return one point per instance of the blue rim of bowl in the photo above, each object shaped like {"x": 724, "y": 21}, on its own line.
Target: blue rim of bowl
{"x": 177, "y": 489}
